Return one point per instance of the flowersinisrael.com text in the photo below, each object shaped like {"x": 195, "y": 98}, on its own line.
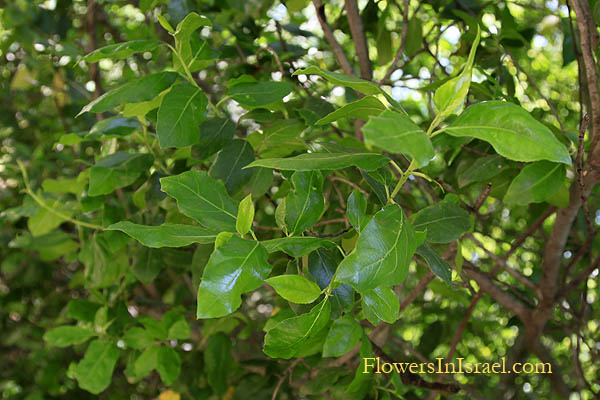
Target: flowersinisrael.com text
{"x": 378, "y": 366}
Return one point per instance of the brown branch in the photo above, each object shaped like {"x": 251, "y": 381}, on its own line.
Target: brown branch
{"x": 403, "y": 37}
{"x": 502, "y": 263}
{"x": 360, "y": 40}
{"x": 581, "y": 173}
{"x": 503, "y": 298}
{"x": 337, "y": 49}
{"x": 421, "y": 285}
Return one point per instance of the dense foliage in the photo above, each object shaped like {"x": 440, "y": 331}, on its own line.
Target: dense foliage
{"x": 241, "y": 199}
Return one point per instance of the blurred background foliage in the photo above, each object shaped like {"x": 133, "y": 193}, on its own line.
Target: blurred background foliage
{"x": 527, "y": 57}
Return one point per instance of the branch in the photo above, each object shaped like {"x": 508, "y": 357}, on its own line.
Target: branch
{"x": 403, "y": 37}
{"x": 506, "y": 300}
{"x": 360, "y": 40}
{"x": 338, "y": 51}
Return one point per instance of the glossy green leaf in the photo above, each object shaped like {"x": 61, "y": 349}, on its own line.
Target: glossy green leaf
{"x": 181, "y": 112}
{"x": 360, "y": 85}
{"x": 245, "y": 216}
{"x": 116, "y": 171}
{"x": 295, "y": 288}
{"x": 67, "y": 335}
{"x": 343, "y": 336}
{"x": 382, "y": 253}
{"x": 324, "y": 161}
{"x": 396, "y": 133}
{"x": 166, "y": 235}
{"x": 135, "y": 91}
{"x": 305, "y": 204}
{"x": 217, "y": 361}
{"x": 536, "y": 183}
{"x": 444, "y": 222}
{"x": 362, "y": 109}
{"x": 230, "y": 163}
{"x": 94, "y": 371}
{"x": 322, "y": 265}
{"x": 296, "y": 246}
{"x": 236, "y": 267}
{"x": 511, "y": 130}
{"x": 437, "y": 264}
{"x": 119, "y": 51}
{"x": 382, "y": 303}
{"x": 285, "y": 338}
{"x": 202, "y": 198}
{"x": 356, "y": 210}
{"x": 259, "y": 94}
{"x": 452, "y": 93}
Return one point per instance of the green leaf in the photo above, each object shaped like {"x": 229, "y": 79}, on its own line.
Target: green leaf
{"x": 230, "y": 163}
{"x": 116, "y": 171}
{"x": 322, "y": 265}
{"x": 112, "y": 127}
{"x": 190, "y": 24}
{"x": 357, "y": 210}
{"x": 237, "y": 266}
{"x": 444, "y": 222}
{"x": 343, "y": 336}
{"x": 396, "y": 133}
{"x": 360, "y": 85}
{"x": 483, "y": 169}
{"x": 414, "y": 37}
{"x": 285, "y": 338}
{"x": 295, "y": 288}
{"x": 135, "y": 91}
{"x": 215, "y": 134}
{"x": 168, "y": 365}
{"x": 437, "y": 264}
{"x": 146, "y": 362}
{"x": 362, "y": 109}
{"x": 323, "y": 161}
{"x": 166, "y": 235}
{"x": 102, "y": 267}
{"x": 382, "y": 253}
{"x": 138, "y": 338}
{"x": 259, "y": 94}
{"x": 148, "y": 264}
{"x": 181, "y": 112}
{"x": 217, "y": 362}
{"x": 383, "y": 303}
{"x": 202, "y": 198}
{"x": 119, "y": 51}
{"x": 64, "y": 336}
{"x": 176, "y": 326}
{"x": 281, "y": 138}
{"x": 94, "y": 371}
{"x": 452, "y": 93}
{"x": 536, "y": 183}
{"x": 305, "y": 204}
{"x": 296, "y": 246}
{"x": 511, "y": 130}
{"x": 44, "y": 221}
{"x": 245, "y": 216}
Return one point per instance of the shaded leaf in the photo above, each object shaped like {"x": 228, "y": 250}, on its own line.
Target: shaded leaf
{"x": 94, "y": 371}
{"x": 166, "y": 235}
{"x": 444, "y": 222}
{"x": 536, "y": 183}
{"x": 181, "y": 112}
